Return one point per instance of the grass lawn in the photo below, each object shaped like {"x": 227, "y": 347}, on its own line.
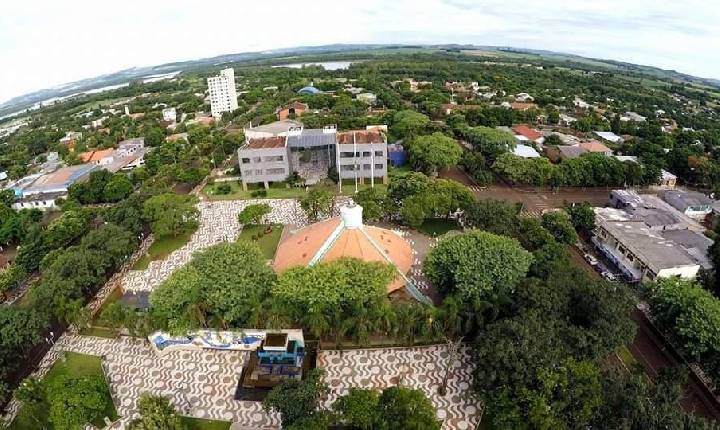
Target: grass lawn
{"x": 268, "y": 242}
{"x": 98, "y": 332}
{"x": 76, "y": 365}
{"x": 161, "y": 248}
{"x": 277, "y": 191}
{"x": 201, "y": 424}
{"x": 435, "y": 227}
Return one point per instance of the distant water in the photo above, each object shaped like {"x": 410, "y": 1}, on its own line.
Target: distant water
{"x": 327, "y": 65}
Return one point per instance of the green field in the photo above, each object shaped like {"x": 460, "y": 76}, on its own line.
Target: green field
{"x": 75, "y": 365}
{"x": 161, "y": 248}
{"x": 201, "y": 424}
{"x": 268, "y": 242}
{"x": 435, "y": 227}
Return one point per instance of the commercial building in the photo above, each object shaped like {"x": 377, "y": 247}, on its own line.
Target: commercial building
{"x": 691, "y": 203}
{"x": 647, "y": 238}
{"x": 41, "y": 191}
{"x": 360, "y": 154}
{"x": 223, "y": 96}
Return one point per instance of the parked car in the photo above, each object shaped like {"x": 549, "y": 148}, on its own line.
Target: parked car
{"x": 609, "y": 276}
{"x": 590, "y": 259}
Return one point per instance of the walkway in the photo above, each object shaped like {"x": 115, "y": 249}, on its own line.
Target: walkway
{"x": 218, "y": 223}
{"x": 422, "y": 368}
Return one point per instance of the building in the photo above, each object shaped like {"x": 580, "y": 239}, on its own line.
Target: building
{"x": 667, "y": 179}
{"x": 523, "y": 133}
{"x": 632, "y": 116}
{"x": 100, "y": 157}
{"x": 169, "y": 114}
{"x": 609, "y": 136}
{"x": 309, "y": 90}
{"x": 177, "y": 136}
{"x": 277, "y": 128}
{"x": 223, "y": 96}
{"x": 596, "y": 147}
{"x": 647, "y": 239}
{"x": 522, "y": 106}
{"x": 291, "y": 111}
{"x": 556, "y": 153}
{"x": 397, "y": 156}
{"x": 525, "y": 151}
{"x": 41, "y": 191}
{"x": 311, "y": 153}
{"x": 367, "y": 98}
{"x": 449, "y": 108}
{"x": 691, "y": 203}
{"x": 129, "y": 155}
{"x": 347, "y": 236}
{"x": 70, "y": 138}
{"x": 567, "y": 120}
{"x": 524, "y": 97}
{"x": 362, "y": 155}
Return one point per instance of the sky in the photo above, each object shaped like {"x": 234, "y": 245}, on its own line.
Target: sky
{"x": 44, "y": 43}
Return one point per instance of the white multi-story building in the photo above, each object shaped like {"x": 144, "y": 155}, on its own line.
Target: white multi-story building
{"x": 170, "y": 114}
{"x": 223, "y": 96}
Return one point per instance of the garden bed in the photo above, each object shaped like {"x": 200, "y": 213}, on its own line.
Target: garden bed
{"x": 268, "y": 242}
{"x": 161, "y": 248}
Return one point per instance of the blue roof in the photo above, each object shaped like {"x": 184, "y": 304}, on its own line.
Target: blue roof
{"x": 309, "y": 90}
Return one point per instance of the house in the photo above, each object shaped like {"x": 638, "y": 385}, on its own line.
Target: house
{"x": 70, "y": 138}
{"x": 524, "y": 97}
{"x": 129, "y": 155}
{"x": 169, "y": 114}
{"x": 609, "y": 136}
{"x": 648, "y": 239}
{"x": 522, "y": 106}
{"x": 567, "y": 120}
{"x": 557, "y": 153}
{"x": 580, "y": 103}
{"x": 525, "y": 151}
{"x": 367, "y": 98}
{"x": 632, "y": 116}
{"x": 449, "y": 108}
{"x": 102, "y": 157}
{"x": 177, "y": 136}
{"x": 291, "y": 111}
{"x": 523, "y": 132}
{"x": 596, "y": 147}
{"x": 692, "y": 203}
{"x": 667, "y": 179}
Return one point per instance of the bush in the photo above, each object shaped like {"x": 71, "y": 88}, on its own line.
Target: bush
{"x": 259, "y": 193}
{"x": 223, "y": 189}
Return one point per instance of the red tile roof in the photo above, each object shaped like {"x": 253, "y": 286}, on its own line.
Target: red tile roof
{"x": 524, "y": 130}
{"x": 522, "y": 106}
{"x": 594, "y": 146}
{"x": 89, "y": 156}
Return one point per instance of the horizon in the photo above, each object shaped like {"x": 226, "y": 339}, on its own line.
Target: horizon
{"x": 97, "y": 44}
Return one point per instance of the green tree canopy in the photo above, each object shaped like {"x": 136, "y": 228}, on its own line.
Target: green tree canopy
{"x": 477, "y": 265}
{"x": 358, "y": 409}
{"x": 408, "y": 123}
{"x": 225, "y": 284}
{"x": 296, "y": 400}
{"x": 77, "y": 401}
{"x": 254, "y": 214}
{"x": 317, "y": 203}
{"x": 434, "y": 152}
{"x": 407, "y": 406}
{"x": 559, "y": 225}
{"x": 156, "y": 413}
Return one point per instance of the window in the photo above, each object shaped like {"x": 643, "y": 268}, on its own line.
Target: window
{"x": 246, "y": 161}
{"x": 259, "y": 172}
{"x": 378, "y": 153}
{"x": 366, "y": 167}
{"x": 347, "y": 167}
{"x": 278, "y": 171}
{"x": 247, "y": 173}
{"x": 273, "y": 158}
{"x": 379, "y": 166}
{"x": 347, "y": 155}
{"x": 366, "y": 153}
{"x": 257, "y": 159}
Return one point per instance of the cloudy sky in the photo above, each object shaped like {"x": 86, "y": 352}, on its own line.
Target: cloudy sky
{"x": 47, "y": 42}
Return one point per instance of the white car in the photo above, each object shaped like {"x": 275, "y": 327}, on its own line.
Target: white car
{"x": 590, "y": 259}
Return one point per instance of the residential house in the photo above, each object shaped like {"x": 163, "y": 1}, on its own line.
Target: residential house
{"x": 524, "y": 133}
{"x": 596, "y": 147}
{"x": 522, "y": 106}
{"x": 691, "y": 203}
{"x": 367, "y": 98}
{"x": 169, "y": 114}
{"x": 609, "y": 136}
{"x": 292, "y": 111}
{"x": 525, "y": 151}
{"x": 557, "y": 153}
{"x": 632, "y": 116}
{"x": 524, "y": 97}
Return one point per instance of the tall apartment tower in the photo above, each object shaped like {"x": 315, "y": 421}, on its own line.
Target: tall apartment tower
{"x": 223, "y": 97}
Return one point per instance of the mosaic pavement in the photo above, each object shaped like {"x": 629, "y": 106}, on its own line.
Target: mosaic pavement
{"x": 418, "y": 367}
{"x": 218, "y": 223}
{"x": 199, "y": 383}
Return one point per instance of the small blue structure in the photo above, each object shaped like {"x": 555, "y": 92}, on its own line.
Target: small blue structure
{"x": 397, "y": 155}
{"x": 310, "y": 90}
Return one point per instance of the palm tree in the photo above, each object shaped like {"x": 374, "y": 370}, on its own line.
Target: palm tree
{"x": 317, "y": 322}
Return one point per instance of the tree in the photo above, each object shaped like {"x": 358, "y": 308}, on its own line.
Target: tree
{"x": 294, "y": 399}
{"x": 254, "y": 214}
{"x": 117, "y": 188}
{"x": 31, "y": 394}
{"x": 205, "y": 290}
{"x": 156, "y": 413}
{"x": 490, "y": 142}
{"x": 326, "y": 294}
{"x": 405, "y": 407}
{"x": 408, "y": 123}
{"x": 559, "y": 225}
{"x": 434, "y": 152}
{"x": 171, "y": 214}
{"x": 11, "y": 277}
{"x": 358, "y": 408}
{"x": 73, "y": 402}
{"x": 317, "y": 203}
{"x": 495, "y": 216}
{"x": 373, "y": 202}
{"x": 582, "y": 216}
{"x": 114, "y": 315}
{"x": 477, "y": 265}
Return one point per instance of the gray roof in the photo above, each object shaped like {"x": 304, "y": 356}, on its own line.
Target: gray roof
{"x": 312, "y": 138}
{"x": 277, "y": 127}
{"x": 568, "y": 151}
{"x": 685, "y": 199}
{"x": 694, "y": 244}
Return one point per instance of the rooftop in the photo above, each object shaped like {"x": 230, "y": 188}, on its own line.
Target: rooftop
{"x": 277, "y": 127}
{"x": 97, "y": 155}
{"x": 685, "y": 199}
{"x": 525, "y": 151}
{"x": 265, "y": 143}
{"x": 571, "y": 151}
{"x": 360, "y": 136}
{"x": 61, "y": 178}
{"x": 594, "y": 146}
{"x": 524, "y": 130}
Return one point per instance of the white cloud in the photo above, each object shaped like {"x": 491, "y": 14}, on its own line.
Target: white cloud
{"x": 45, "y": 43}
